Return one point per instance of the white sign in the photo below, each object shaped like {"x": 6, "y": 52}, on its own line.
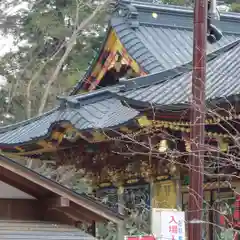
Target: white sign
{"x": 168, "y": 224}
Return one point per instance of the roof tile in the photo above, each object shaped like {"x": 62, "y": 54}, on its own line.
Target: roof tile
{"x": 164, "y": 47}
{"x": 15, "y": 230}
{"x": 99, "y": 115}
{"x": 222, "y": 81}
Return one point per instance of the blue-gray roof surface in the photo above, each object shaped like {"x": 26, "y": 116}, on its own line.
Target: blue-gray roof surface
{"x": 158, "y": 44}
{"x": 106, "y": 113}
{"x": 166, "y": 40}
{"x": 98, "y": 111}
{"x": 223, "y": 80}
{"x": 16, "y": 230}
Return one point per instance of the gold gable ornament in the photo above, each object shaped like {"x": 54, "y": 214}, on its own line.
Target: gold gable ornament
{"x": 223, "y": 144}
{"x": 71, "y": 135}
{"x": 144, "y": 122}
{"x": 155, "y": 15}
{"x": 163, "y": 146}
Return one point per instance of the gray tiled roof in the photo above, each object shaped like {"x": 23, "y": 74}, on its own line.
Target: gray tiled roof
{"x": 158, "y": 44}
{"x": 15, "y": 230}
{"x": 162, "y": 43}
{"x": 165, "y": 42}
{"x": 222, "y": 81}
{"x": 106, "y": 113}
{"x": 99, "y": 110}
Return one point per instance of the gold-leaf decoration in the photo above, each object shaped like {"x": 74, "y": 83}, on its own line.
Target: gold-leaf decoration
{"x": 155, "y": 15}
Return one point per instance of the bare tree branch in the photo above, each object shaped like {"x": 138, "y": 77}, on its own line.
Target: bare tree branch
{"x": 69, "y": 48}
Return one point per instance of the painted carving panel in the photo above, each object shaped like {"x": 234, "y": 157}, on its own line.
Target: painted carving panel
{"x": 137, "y": 206}
{"x": 109, "y": 197}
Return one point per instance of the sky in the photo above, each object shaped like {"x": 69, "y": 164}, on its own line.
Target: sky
{"x": 6, "y": 45}
{"x": 7, "y": 42}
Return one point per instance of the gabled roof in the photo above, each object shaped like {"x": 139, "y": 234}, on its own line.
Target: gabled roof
{"x": 162, "y": 44}
{"x": 103, "y": 109}
{"x": 172, "y": 88}
{"x": 41, "y": 187}
{"x": 160, "y": 37}
{"x": 84, "y": 112}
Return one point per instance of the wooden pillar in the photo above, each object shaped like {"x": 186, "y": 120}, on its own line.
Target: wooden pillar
{"x": 121, "y": 200}
{"x": 121, "y": 228}
{"x": 92, "y": 229}
{"x": 178, "y": 191}
{"x": 211, "y": 217}
{"x": 236, "y": 215}
{"x": 152, "y": 194}
{"x": 121, "y": 231}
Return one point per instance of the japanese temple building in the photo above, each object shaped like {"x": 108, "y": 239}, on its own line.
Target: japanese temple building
{"x": 139, "y": 87}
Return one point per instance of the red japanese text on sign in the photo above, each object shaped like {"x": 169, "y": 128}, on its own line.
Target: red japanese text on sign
{"x": 173, "y": 229}
{"x": 173, "y": 220}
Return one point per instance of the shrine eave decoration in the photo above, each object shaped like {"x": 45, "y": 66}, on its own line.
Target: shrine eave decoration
{"x": 112, "y": 112}
{"x": 154, "y": 38}
{"x": 171, "y": 90}
{"x": 97, "y": 119}
{"x": 108, "y": 113}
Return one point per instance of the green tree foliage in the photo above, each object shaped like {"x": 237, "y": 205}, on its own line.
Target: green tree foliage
{"x": 42, "y": 32}
{"x": 235, "y": 7}
{"x": 175, "y": 2}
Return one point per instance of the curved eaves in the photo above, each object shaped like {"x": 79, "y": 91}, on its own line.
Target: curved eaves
{"x": 10, "y": 127}
{"x": 106, "y": 114}
{"x": 222, "y": 82}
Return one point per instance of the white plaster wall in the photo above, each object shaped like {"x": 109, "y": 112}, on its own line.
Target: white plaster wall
{"x": 9, "y": 192}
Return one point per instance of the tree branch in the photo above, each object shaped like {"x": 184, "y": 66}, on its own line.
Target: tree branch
{"x": 68, "y": 50}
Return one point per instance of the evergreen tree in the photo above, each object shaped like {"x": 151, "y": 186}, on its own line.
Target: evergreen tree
{"x": 42, "y": 33}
